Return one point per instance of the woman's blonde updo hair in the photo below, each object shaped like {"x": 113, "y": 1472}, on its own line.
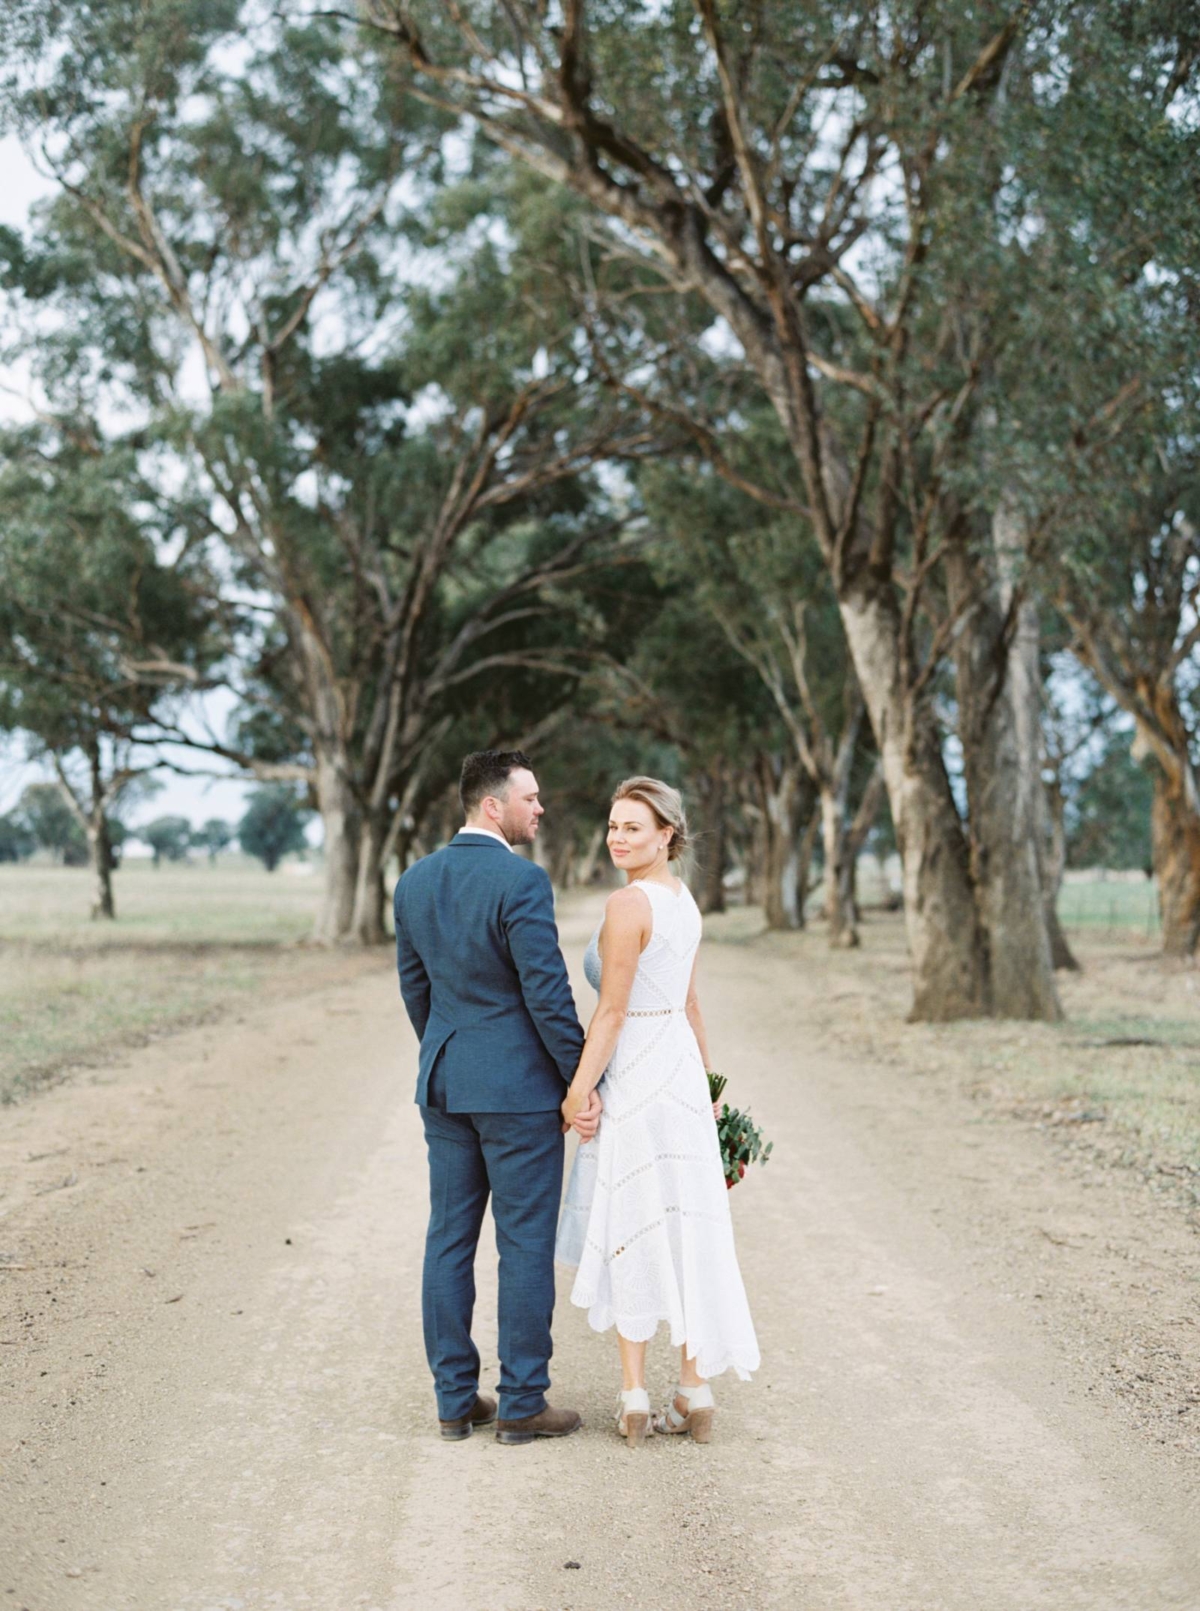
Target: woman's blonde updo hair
{"x": 665, "y": 804}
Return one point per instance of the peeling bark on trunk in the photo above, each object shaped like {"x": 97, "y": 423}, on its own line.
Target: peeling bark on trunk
{"x": 1175, "y": 835}
{"x": 1022, "y": 955}
{"x": 999, "y": 727}
{"x": 941, "y": 921}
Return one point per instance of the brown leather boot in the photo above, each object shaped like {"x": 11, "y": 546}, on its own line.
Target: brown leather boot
{"x": 483, "y": 1414}
{"x": 547, "y": 1423}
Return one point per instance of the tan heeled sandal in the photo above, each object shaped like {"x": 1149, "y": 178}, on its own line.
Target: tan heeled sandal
{"x": 699, "y": 1418}
{"x": 633, "y": 1415}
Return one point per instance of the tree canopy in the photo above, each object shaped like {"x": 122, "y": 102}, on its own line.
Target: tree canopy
{"x": 754, "y": 392}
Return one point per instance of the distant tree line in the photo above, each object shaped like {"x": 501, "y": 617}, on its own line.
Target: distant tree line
{"x": 272, "y": 827}
{"x": 798, "y": 401}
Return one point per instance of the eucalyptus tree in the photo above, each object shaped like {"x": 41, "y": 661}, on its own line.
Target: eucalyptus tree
{"x": 100, "y": 635}
{"x": 1138, "y": 631}
{"x": 1111, "y": 810}
{"x": 1098, "y": 442}
{"x": 45, "y": 813}
{"x": 694, "y": 708}
{"x": 214, "y": 835}
{"x": 272, "y": 825}
{"x": 837, "y": 186}
{"x": 803, "y": 173}
{"x": 759, "y": 576}
{"x": 169, "y": 837}
{"x": 17, "y": 839}
{"x": 233, "y": 256}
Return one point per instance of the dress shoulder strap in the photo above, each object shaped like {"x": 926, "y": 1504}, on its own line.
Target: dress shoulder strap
{"x": 649, "y": 884}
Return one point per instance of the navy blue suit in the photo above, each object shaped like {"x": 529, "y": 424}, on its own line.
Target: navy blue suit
{"x": 486, "y": 989}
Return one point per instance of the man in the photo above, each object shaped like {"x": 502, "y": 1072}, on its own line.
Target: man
{"x": 485, "y": 986}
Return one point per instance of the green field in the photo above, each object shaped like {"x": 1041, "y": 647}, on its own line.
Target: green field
{"x": 233, "y": 902}
{"x": 197, "y": 941}
{"x": 1097, "y": 904}
{"x": 190, "y": 942}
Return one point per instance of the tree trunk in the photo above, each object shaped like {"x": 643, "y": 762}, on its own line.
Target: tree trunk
{"x": 779, "y": 787}
{"x": 946, "y": 937}
{"x": 999, "y": 726}
{"x": 942, "y": 924}
{"x": 804, "y": 855}
{"x": 708, "y": 875}
{"x": 753, "y": 855}
{"x": 1175, "y": 835}
{"x": 366, "y": 923}
{"x": 1052, "y": 846}
{"x": 591, "y": 857}
{"x": 100, "y": 854}
{"x": 560, "y": 858}
{"x": 856, "y": 838}
{"x": 342, "y": 821}
{"x": 1162, "y": 736}
{"x": 90, "y": 814}
{"x": 839, "y": 884}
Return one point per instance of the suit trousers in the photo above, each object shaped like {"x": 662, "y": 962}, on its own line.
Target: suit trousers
{"x": 517, "y": 1159}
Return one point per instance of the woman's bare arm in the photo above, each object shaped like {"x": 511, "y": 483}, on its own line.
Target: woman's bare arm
{"x": 696, "y": 1018}
{"x": 628, "y": 921}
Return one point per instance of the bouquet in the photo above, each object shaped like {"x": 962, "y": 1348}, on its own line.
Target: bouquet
{"x": 741, "y": 1139}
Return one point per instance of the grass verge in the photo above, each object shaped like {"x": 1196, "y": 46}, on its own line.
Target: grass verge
{"x": 189, "y": 944}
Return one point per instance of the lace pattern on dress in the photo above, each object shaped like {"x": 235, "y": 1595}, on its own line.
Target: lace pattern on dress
{"x": 646, "y": 1216}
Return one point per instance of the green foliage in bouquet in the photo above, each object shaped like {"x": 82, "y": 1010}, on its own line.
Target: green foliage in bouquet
{"x": 741, "y": 1140}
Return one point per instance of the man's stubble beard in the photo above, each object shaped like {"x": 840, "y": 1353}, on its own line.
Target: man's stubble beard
{"x": 517, "y": 835}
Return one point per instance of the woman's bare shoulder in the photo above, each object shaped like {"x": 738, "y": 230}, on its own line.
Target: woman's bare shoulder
{"x": 627, "y": 906}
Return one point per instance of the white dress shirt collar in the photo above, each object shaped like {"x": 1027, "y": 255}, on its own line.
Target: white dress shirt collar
{"x": 490, "y": 832}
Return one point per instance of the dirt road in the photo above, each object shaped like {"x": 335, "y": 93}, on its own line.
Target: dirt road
{"x": 213, "y": 1395}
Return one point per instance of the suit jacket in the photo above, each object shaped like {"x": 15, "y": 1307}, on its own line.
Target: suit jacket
{"x": 483, "y": 979}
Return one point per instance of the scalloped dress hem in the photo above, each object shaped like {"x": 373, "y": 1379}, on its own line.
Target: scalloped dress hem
{"x": 642, "y": 1328}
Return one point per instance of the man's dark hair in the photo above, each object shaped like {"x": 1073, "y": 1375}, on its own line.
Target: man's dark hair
{"x": 487, "y": 772}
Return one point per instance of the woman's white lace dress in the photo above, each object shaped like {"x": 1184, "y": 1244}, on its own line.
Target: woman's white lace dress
{"x": 646, "y": 1215}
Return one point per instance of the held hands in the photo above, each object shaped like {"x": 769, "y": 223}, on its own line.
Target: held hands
{"x": 582, "y": 1113}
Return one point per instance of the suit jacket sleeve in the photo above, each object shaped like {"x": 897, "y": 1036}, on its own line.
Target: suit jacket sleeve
{"x": 414, "y": 981}
{"x": 528, "y": 914}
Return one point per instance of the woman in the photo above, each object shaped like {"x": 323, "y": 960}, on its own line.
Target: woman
{"x": 646, "y": 1217}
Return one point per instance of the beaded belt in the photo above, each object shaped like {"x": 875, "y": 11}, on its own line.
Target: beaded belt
{"x": 652, "y": 1012}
